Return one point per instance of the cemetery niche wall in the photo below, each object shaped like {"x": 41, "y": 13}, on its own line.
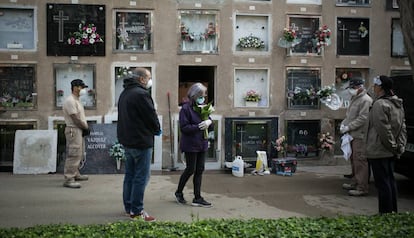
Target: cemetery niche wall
{"x": 245, "y": 135}
{"x": 302, "y": 87}
{"x": 353, "y": 36}
{"x": 133, "y": 31}
{"x": 251, "y": 88}
{"x": 306, "y": 28}
{"x": 251, "y": 33}
{"x": 302, "y": 137}
{"x": 18, "y": 87}
{"x": 17, "y": 28}
{"x": 198, "y": 31}
{"x": 65, "y": 73}
{"x": 75, "y": 30}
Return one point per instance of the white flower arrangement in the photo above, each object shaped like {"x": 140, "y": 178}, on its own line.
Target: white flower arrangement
{"x": 117, "y": 151}
{"x": 251, "y": 42}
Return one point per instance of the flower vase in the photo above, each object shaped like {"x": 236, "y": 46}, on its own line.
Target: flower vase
{"x": 211, "y": 45}
{"x": 145, "y": 47}
{"x": 118, "y": 164}
{"x": 251, "y": 104}
{"x": 121, "y": 45}
{"x": 183, "y": 48}
{"x": 205, "y": 45}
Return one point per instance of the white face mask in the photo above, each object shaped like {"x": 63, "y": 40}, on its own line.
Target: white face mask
{"x": 352, "y": 91}
{"x": 82, "y": 92}
{"x": 149, "y": 84}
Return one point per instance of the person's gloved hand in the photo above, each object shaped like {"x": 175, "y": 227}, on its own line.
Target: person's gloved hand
{"x": 344, "y": 129}
{"x": 158, "y": 133}
{"x": 204, "y": 124}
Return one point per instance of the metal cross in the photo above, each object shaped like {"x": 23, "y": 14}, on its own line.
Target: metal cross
{"x": 241, "y": 131}
{"x": 60, "y": 18}
{"x": 343, "y": 29}
{"x": 294, "y": 27}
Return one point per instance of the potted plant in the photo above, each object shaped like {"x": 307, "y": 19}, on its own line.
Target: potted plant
{"x": 252, "y": 98}
{"x": 117, "y": 152}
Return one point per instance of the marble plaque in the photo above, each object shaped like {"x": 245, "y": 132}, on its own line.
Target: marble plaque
{"x": 67, "y": 25}
{"x": 35, "y": 151}
{"x": 353, "y": 36}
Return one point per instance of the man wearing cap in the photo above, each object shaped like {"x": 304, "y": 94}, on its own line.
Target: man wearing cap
{"x": 356, "y": 124}
{"x": 386, "y": 133}
{"x": 76, "y": 124}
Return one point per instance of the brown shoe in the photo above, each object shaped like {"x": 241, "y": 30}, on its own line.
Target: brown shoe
{"x": 81, "y": 178}
{"x": 70, "y": 183}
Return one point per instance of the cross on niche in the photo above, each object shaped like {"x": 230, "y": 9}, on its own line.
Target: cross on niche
{"x": 241, "y": 131}
{"x": 61, "y": 19}
{"x": 343, "y": 29}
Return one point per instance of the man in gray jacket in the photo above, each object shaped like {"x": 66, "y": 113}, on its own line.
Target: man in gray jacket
{"x": 356, "y": 124}
{"x": 386, "y": 125}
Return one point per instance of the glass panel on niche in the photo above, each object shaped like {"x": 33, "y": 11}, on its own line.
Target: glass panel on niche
{"x": 251, "y": 88}
{"x": 122, "y": 72}
{"x": 75, "y": 29}
{"x": 251, "y": 33}
{"x": 133, "y": 31}
{"x": 353, "y": 2}
{"x": 353, "y": 36}
{"x": 198, "y": 31}
{"x": 306, "y": 28}
{"x": 65, "y": 73}
{"x": 343, "y": 75}
{"x": 18, "y": 87}
{"x": 302, "y": 137}
{"x": 398, "y": 47}
{"x": 302, "y": 86}
{"x": 17, "y": 28}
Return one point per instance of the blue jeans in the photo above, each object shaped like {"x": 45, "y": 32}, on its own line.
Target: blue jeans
{"x": 137, "y": 174}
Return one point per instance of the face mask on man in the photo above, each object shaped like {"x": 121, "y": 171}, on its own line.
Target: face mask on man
{"x": 82, "y": 92}
{"x": 200, "y": 100}
{"x": 352, "y": 91}
{"x": 149, "y": 84}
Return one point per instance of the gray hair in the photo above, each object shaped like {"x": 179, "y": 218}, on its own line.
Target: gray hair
{"x": 195, "y": 91}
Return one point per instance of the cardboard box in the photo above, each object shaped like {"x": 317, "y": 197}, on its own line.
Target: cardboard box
{"x": 284, "y": 166}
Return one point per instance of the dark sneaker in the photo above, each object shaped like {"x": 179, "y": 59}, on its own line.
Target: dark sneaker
{"x": 70, "y": 183}
{"x": 81, "y": 178}
{"x": 348, "y": 176}
{"x": 200, "y": 203}
{"x": 143, "y": 215}
{"x": 179, "y": 197}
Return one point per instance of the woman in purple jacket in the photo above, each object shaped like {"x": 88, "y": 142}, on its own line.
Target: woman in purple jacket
{"x": 193, "y": 143}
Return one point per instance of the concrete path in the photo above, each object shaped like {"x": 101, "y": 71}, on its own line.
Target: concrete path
{"x": 27, "y": 200}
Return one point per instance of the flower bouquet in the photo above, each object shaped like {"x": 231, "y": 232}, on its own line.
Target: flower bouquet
{"x": 281, "y": 146}
{"x": 328, "y": 97}
{"x": 210, "y": 31}
{"x": 326, "y": 142}
{"x": 117, "y": 152}
{"x": 323, "y": 36}
{"x": 204, "y": 111}
{"x": 251, "y": 42}
{"x": 87, "y": 35}
{"x": 289, "y": 38}
{"x": 326, "y": 91}
{"x": 363, "y": 31}
{"x": 252, "y": 96}
{"x": 122, "y": 72}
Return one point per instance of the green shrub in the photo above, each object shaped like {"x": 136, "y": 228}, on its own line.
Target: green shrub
{"x": 390, "y": 225}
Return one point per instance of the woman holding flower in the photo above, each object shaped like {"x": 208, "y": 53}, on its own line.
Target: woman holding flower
{"x": 194, "y": 121}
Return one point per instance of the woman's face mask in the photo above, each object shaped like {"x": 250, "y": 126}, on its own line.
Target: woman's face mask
{"x": 200, "y": 100}
{"x": 352, "y": 91}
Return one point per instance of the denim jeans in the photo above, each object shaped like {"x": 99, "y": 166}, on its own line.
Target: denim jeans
{"x": 137, "y": 174}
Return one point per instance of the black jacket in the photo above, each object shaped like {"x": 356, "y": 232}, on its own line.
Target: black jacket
{"x": 137, "y": 119}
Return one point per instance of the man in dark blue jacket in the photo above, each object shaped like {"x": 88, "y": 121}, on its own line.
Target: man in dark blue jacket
{"x": 137, "y": 125}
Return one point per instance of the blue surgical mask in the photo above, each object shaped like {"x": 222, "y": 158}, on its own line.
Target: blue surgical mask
{"x": 200, "y": 100}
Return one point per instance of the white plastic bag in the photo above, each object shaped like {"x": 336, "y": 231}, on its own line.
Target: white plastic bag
{"x": 238, "y": 167}
{"x": 261, "y": 163}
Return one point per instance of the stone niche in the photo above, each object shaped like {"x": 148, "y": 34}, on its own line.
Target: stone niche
{"x": 251, "y": 28}
{"x": 35, "y": 152}
{"x": 248, "y": 80}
